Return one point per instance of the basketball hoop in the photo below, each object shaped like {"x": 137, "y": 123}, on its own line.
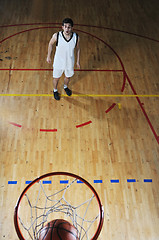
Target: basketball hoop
{"x": 59, "y": 195}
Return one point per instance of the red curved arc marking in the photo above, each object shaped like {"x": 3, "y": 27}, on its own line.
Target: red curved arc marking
{"x": 48, "y": 130}
{"x": 38, "y": 28}
{"x": 124, "y": 72}
{"x": 115, "y": 53}
{"x": 28, "y": 24}
{"x": 84, "y": 25}
{"x": 28, "y": 30}
{"x": 101, "y": 40}
{"x": 15, "y": 124}
{"x": 118, "y": 30}
{"x": 83, "y": 124}
{"x": 111, "y": 107}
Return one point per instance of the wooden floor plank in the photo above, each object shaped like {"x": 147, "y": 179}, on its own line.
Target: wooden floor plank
{"x": 109, "y": 139}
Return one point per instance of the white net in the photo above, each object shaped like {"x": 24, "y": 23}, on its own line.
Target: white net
{"x": 72, "y": 201}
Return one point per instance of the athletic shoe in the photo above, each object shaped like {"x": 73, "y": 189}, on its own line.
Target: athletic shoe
{"x": 68, "y": 91}
{"x": 56, "y": 95}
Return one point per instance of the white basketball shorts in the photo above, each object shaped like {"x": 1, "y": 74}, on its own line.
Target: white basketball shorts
{"x": 57, "y": 73}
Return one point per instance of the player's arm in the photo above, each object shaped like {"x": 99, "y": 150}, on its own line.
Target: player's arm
{"x": 50, "y": 46}
{"x": 78, "y": 53}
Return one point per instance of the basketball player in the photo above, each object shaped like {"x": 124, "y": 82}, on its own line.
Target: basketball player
{"x": 66, "y": 41}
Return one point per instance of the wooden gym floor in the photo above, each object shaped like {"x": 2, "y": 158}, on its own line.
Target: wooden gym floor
{"x": 103, "y": 132}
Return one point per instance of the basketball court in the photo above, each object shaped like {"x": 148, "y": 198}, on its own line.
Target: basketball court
{"x": 107, "y": 132}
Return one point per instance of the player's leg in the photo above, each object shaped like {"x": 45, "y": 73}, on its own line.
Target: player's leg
{"x": 67, "y": 90}
{"x": 56, "y": 76}
{"x": 68, "y": 75}
{"x": 55, "y": 83}
{"x": 55, "y": 91}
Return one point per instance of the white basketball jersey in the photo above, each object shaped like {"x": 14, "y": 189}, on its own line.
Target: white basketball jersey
{"x": 64, "y": 55}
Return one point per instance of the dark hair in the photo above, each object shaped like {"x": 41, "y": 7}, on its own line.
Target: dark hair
{"x": 67, "y": 20}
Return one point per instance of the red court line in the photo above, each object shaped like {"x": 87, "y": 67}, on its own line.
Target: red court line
{"x": 83, "y": 25}
{"x": 98, "y": 70}
{"x": 28, "y": 30}
{"x": 143, "y": 110}
{"x": 28, "y": 24}
{"x": 50, "y": 69}
{"x": 121, "y": 31}
{"x": 83, "y": 124}
{"x": 110, "y": 108}
{"x": 15, "y": 124}
{"x": 124, "y": 82}
{"x": 48, "y": 130}
{"x": 25, "y": 69}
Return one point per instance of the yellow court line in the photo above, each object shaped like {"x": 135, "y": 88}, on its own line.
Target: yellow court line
{"x": 74, "y": 95}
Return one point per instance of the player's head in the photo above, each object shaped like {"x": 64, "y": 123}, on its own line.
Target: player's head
{"x": 67, "y": 26}
{"x": 67, "y": 21}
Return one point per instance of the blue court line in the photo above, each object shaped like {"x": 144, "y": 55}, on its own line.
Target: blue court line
{"x": 64, "y": 181}
{"x": 114, "y": 180}
{"x": 12, "y": 182}
{"x": 131, "y": 180}
{"x": 27, "y": 182}
{"x": 147, "y": 180}
{"x": 47, "y": 182}
{"x": 98, "y": 181}
{"x": 79, "y": 181}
